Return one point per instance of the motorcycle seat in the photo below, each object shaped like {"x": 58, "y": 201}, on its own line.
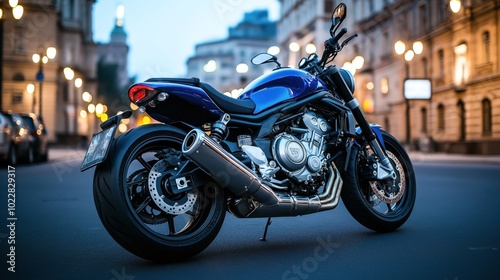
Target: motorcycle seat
{"x": 224, "y": 102}
{"x": 229, "y": 104}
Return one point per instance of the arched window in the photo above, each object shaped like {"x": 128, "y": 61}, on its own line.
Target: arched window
{"x": 486, "y": 112}
{"x": 486, "y": 46}
{"x": 440, "y": 113}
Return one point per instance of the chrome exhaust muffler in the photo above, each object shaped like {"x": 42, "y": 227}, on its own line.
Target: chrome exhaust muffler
{"x": 231, "y": 173}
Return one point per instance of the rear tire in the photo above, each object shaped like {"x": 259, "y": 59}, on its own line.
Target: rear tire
{"x": 362, "y": 202}
{"x": 121, "y": 196}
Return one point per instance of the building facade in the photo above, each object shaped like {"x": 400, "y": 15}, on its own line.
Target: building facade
{"x": 66, "y": 26}
{"x": 458, "y": 53}
{"x": 225, "y": 64}
{"x": 460, "y": 57}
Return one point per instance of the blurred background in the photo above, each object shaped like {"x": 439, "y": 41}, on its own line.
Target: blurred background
{"x": 67, "y": 64}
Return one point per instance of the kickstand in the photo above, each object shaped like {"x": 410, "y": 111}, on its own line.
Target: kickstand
{"x": 265, "y": 230}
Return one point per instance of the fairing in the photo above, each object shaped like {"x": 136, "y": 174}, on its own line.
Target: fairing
{"x": 185, "y": 103}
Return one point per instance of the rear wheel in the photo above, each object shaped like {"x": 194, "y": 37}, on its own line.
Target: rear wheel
{"x": 380, "y": 205}
{"x": 139, "y": 209}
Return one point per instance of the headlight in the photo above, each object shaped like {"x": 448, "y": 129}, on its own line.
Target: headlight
{"x": 349, "y": 79}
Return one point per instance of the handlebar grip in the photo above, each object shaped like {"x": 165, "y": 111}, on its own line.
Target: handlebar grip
{"x": 333, "y": 41}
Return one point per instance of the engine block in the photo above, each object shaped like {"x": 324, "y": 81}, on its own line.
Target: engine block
{"x": 301, "y": 154}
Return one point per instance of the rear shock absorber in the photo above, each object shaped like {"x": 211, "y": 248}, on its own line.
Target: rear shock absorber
{"x": 219, "y": 128}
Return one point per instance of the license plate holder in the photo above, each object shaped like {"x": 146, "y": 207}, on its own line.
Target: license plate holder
{"x": 98, "y": 148}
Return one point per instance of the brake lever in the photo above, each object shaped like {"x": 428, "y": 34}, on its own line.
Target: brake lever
{"x": 347, "y": 40}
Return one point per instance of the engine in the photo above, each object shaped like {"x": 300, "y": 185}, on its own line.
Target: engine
{"x": 300, "y": 151}
{"x": 298, "y": 155}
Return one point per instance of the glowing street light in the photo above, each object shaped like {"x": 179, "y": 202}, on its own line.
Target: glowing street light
{"x": 455, "y": 6}
{"x": 210, "y": 67}
{"x": 17, "y": 12}
{"x": 86, "y": 96}
{"x": 310, "y": 48}
{"x": 78, "y": 82}
{"x": 399, "y": 47}
{"x": 274, "y": 50}
{"x": 358, "y": 62}
{"x": 294, "y": 47}
{"x": 242, "y": 68}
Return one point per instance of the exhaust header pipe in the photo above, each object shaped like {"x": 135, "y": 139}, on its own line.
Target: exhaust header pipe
{"x": 231, "y": 173}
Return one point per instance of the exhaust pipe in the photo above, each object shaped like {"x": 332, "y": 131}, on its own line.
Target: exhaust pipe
{"x": 231, "y": 173}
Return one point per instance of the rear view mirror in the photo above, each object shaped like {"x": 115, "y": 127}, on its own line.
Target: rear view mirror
{"x": 263, "y": 58}
{"x": 338, "y": 16}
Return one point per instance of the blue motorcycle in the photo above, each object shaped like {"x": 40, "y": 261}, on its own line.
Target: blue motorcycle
{"x": 293, "y": 143}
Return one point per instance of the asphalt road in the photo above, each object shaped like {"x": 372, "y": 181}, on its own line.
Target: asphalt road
{"x": 453, "y": 233}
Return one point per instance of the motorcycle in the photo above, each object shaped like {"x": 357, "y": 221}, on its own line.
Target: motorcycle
{"x": 293, "y": 143}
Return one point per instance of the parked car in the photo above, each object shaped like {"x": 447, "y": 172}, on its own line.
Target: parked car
{"x": 7, "y": 150}
{"x": 39, "y": 134}
{"x": 21, "y": 138}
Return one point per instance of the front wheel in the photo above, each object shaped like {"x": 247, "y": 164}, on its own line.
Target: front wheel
{"x": 138, "y": 208}
{"x": 379, "y": 205}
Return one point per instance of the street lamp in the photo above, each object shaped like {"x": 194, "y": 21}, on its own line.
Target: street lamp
{"x": 69, "y": 74}
{"x": 17, "y": 14}
{"x": 30, "y": 88}
{"x": 41, "y": 59}
{"x": 400, "y": 48}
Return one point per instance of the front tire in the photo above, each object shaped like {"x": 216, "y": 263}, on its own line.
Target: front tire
{"x": 366, "y": 201}
{"x": 127, "y": 206}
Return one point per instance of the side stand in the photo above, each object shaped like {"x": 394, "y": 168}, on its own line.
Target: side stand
{"x": 265, "y": 230}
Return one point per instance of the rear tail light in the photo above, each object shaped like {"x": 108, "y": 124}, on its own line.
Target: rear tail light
{"x": 139, "y": 92}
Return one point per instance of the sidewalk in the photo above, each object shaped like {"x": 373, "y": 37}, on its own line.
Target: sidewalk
{"x": 419, "y": 157}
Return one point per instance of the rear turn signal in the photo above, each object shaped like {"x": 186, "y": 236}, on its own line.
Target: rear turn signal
{"x": 138, "y": 92}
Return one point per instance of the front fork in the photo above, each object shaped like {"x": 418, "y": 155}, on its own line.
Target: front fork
{"x": 384, "y": 168}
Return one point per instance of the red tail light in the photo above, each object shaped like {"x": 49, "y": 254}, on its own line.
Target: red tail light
{"x": 138, "y": 92}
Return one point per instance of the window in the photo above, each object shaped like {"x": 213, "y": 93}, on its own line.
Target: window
{"x": 424, "y": 67}
{"x": 19, "y": 77}
{"x": 17, "y": 97}
{"x": 441, "y": 63}
{"x": 486, "y": 111}
{"x": 424, "y": 120}
{"x": 440, "y": 113}
{"x": 461, "y": 69}
{"x": 486, "y": 46}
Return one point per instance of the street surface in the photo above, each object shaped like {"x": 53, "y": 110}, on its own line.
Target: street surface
{"x": 453, "y": 233}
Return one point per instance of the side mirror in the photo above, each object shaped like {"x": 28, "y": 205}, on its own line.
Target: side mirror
{"x": 338, "y": 16}
{"x": 263, "y": 58}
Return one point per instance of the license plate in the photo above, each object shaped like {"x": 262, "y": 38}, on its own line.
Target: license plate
{"x": 98, "y": 148}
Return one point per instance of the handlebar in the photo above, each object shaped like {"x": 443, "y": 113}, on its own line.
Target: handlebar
{"x": 332, "y": 42}
{"x": 331, "y": 45}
